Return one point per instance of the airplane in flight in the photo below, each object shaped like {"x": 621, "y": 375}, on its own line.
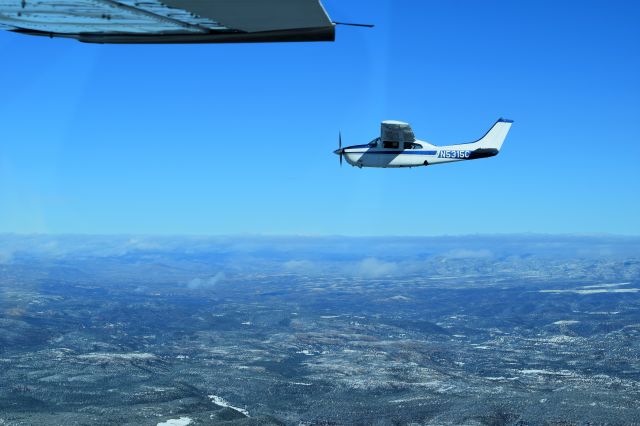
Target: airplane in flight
{"x": 171, "y": 21}
{"x": 397, "y": 147}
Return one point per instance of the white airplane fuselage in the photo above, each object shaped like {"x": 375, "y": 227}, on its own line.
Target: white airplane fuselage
{"x": 384, "y": 153}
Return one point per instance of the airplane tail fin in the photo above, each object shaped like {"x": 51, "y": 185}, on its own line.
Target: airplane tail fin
{"x": 496, "y": 135}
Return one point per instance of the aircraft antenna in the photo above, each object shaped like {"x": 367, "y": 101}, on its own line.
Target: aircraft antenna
{"x": 349, "y": 24}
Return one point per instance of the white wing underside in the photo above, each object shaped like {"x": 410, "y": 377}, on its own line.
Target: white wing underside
{"x": 396, "y": 131}
{"x": 166, "y": 21}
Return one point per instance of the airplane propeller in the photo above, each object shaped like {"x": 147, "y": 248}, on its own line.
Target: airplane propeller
{"x": 340, "y": 152}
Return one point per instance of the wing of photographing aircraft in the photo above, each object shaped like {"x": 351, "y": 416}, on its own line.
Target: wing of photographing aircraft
{"x": 170, "y": 21}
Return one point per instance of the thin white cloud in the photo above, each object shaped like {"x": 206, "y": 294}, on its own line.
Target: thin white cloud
{"x": 375, "y": 268}
{"x": 301, "y": 266}
{"x": 6, "y": 256}
{"x": 204, "y": 283}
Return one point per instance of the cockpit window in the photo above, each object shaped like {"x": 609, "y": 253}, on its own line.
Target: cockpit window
{"x": 411, "y": 145}
{"x": 391, "y": 145}
{"x": 374, "y": 143}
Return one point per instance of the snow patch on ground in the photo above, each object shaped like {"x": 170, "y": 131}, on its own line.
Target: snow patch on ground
{"x": 400, "y": 401}
{"x": 224, "y": 403}
{"x": 606, "y": 285}
{"x": 400, "y": 298}
{"x": 104, "y": 356}
{"x": 562, "y": 339}
{"x": 546, "y": 372}
{"x": 182, "y": 421}
{"x": 566, "y": 322}
{"x": 594, "y": 291}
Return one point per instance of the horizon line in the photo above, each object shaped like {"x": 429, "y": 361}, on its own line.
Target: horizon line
{"x": 319, "y": 236}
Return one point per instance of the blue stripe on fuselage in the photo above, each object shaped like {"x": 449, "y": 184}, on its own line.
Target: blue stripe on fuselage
{"x": 412, "y": 152}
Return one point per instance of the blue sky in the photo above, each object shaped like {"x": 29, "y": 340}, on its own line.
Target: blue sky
{"x": 238, "y": 139}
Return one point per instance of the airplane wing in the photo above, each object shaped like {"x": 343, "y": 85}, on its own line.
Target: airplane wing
{"x": 170, "y": 21}
{"x": 396, "y": 131}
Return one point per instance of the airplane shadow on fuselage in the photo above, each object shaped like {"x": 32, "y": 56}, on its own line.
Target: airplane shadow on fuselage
{"x": 382, "y": 158}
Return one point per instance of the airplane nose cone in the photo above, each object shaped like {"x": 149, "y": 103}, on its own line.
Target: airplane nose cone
{"x": 338, "y": 151}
